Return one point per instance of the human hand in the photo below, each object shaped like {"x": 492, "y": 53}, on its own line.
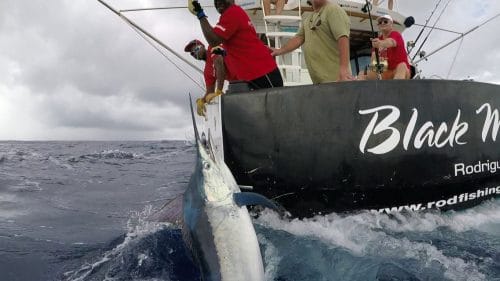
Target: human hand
{"x": 211, "y": 96}
{"x": 195, "y": 8}
{"x": 200, "y": 107}
{"x": 376, "y": 43}
{"x": 345, "y": 74}
{"x": 218, "y": 50}
{"x": 276, "y": 52}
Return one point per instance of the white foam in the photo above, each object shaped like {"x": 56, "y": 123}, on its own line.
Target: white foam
{"x": 368, "y": 234}
{"x": 271, "y": 258}
{"x": 58, "y": 163}
{"x": 138, "y": 226}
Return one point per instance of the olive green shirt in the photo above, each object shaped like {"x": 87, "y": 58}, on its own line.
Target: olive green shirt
{"x": 321, "y": 31}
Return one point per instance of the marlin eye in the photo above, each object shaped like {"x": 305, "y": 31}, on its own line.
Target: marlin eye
{"x": 206, "y": 165}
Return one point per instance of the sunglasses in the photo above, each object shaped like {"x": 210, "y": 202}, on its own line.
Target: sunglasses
{"x": 383, "y": 22}
{"x": 318, "y": 23}
{"x": 195, "y": 50}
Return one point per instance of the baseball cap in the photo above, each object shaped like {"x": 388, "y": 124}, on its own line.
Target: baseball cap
{"x": 387, "y": 17}
{"x": 191, "y": 44}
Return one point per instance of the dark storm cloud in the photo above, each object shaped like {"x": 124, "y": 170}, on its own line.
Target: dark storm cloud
{"x": 60, "y": 48}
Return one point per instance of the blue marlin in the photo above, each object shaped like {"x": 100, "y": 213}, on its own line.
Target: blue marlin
{"x": 216, "y": 224}
{"x": 220, "y": 231}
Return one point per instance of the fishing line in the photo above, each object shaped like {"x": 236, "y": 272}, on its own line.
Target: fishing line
{"x": 455, "y": 58}
{"x": 432, "y": 29}
{"x": 165, "y": 56}
{"x": 458, "y": 38}
{"x": 425, "y": 26}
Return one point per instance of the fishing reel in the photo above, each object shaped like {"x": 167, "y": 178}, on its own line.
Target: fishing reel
{"x": 422, "y": 54}
{"x": 380, "y": 67}
{"x": 367, "y": 7}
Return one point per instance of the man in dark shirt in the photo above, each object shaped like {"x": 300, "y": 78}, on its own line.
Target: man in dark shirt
{"x": 247, "y": 57}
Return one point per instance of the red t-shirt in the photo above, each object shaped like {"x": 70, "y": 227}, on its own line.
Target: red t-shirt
{"x": 396, "y": 55}
{"x": 209, "y": 71}
{"x": 247, "y": 57}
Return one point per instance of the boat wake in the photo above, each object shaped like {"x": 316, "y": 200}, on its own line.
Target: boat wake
{"x": 372, "y": 246}
{"x": 363, "y": 246}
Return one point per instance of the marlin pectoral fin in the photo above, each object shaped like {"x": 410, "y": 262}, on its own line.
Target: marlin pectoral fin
{"x": 255, "y": 199}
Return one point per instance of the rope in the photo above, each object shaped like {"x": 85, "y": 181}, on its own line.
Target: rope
{"x": 165, "y": 56}
{"x": 455, "y": 58}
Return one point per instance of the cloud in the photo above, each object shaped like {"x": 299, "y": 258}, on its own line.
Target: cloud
{"x": 73, "y": 67}
{"x": 74, "y": 70}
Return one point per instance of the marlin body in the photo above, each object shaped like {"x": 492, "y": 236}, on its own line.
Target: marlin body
{"x": 219, "y": 231}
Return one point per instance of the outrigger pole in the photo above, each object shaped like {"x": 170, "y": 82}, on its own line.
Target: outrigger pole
{"x": 458, "y": 38}
{"x": 157, "y": 8}
{"x": 425, "y": 26}
{"x": 149, "y": 35}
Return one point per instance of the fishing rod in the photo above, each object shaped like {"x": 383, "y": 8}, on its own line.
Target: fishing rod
{"x": 458, "y": 38}
{"x": 149, "y": 35}
{"x": 157, "y": 8}
{"x": 425, "y": 26}
{"x": 367, "y": 8}
{"x": 430, "y": 31}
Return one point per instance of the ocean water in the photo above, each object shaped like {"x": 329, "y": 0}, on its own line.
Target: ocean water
{"x": 77, "y": 211}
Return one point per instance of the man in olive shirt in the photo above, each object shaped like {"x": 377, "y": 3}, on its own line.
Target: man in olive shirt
{"x": 325, "y": 36}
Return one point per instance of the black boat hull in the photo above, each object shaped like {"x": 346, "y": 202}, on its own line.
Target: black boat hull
{"x": 366, "y": 145}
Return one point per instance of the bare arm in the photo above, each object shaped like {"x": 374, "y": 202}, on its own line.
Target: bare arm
{"x": 210, "y": 89}
{"x": 212, "y": 38}
{"x": 344, "y": 51}
{"x": 292, "y": 44}
{"x": 220, "y": 72}
{"x": 386, "y": 43}
{"x": 345, "y": 73}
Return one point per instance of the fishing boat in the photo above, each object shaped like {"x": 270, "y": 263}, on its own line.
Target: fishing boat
{"x": 385, "y": 146}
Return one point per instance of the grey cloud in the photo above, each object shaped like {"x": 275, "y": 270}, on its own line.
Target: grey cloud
{"x": 76, "y": 70}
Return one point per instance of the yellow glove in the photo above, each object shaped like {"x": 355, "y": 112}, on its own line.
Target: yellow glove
{"x": 211, "y": 96}
{"x": 195, "y": 8}
{"x": 200, "y": 107}
{"x": 191, "y": 7}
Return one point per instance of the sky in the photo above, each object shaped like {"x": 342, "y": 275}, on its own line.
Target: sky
{"x": 72, "y": 70}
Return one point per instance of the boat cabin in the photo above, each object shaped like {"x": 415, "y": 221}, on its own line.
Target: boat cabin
{"x": 277, "y": 29}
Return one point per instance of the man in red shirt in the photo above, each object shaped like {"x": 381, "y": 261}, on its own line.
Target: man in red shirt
{"x": 214, "y": 72}
{"x": 247, "y": 57}
{"x": 392, "y": 53}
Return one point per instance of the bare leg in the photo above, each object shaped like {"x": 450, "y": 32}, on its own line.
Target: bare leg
{"x": 279, "y": 6}
{"x": 391, "y": 4}
{"x": 401, "y": 72}
{"x": 370, "y": 75}
{"x": 361, "y": 76}
{"x": 267, "y": 7}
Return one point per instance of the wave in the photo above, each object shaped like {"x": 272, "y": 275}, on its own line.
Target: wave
{"x": 414, "y": 238}
{"x": 107, "y": 154}
{"x": 148, "y": 251}
{"x": 26, "y": 186}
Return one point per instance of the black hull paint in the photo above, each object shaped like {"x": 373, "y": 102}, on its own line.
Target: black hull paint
{"x": 301, "y": 145}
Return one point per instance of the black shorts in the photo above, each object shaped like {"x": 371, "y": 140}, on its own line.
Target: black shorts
{"x": 271, "y": 80}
